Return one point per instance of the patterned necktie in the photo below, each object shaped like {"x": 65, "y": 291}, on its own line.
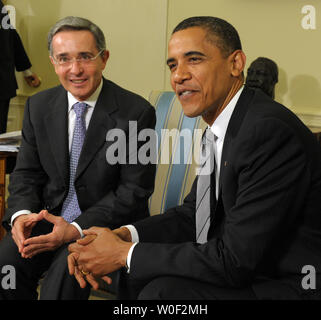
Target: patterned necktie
{"x": 203, "y": 203}
{"x": 70, "y": 209}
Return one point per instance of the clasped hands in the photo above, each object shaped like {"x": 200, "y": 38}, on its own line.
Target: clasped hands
{"x": 62, "y": 232}
{"x": 99, "y": 253}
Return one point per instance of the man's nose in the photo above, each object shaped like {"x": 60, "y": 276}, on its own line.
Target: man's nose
{"x": 181, "y": 74}
{"x": 76, "y": 67}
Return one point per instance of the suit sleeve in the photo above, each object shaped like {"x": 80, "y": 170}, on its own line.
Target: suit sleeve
{"x": 128, "y": 202}
{"x": 13, "y": 49}
{"x": 28, "y": 179}
{"x": 21, "y": 59}
{"x": 271, "y": 167}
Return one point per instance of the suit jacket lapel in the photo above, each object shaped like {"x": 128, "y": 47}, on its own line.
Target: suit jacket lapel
{"x": 217, "y": 207}
{"x": 57, "y": 130}
{"x": 232, "y": 130}
{"x": 99, "y": 124}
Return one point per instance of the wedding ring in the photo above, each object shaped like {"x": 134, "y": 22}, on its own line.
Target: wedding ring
{"x": 84, "y": 273}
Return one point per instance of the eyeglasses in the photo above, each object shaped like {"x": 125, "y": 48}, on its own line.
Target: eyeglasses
{"x": 66, "y": 61}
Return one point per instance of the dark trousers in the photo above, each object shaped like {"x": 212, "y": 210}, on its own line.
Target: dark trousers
{"x": 4, "y": 108}
{"x": 50, "y": 267}
{"x": 177, "y": 288}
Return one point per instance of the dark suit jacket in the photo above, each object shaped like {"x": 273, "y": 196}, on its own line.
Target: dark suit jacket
{"x": 12, "y": 57}
{"x": 267, "y": 222}
{"x": 109, "y": 195}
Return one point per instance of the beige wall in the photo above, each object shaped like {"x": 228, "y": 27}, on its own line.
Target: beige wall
{"x": 137, "y": 32}
{"x": 271, "y": 28}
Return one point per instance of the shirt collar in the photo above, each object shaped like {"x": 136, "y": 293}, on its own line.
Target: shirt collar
{"x": 219, "y": 126}
{"x": 91, "y": 101}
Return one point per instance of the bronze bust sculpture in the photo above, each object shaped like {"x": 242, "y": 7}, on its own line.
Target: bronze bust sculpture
{"x": 263, "y": 74}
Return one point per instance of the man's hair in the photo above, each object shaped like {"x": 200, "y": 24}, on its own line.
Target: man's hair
{"x": 219, "y": 32}
{"x": 76, "y": 24}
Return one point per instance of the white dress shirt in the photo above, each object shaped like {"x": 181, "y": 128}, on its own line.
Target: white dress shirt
{"x": 91, "y": 102}
{"x": 219, "y": 128}
{"x": 27, "y": 73}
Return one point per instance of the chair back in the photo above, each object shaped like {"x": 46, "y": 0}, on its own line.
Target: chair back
{"x": 178, "y": 150}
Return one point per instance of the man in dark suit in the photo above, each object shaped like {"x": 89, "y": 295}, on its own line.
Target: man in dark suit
{"x": 12, "y": 57}
{"x": 62, "y": 166}
{"x": 262, "y": 226}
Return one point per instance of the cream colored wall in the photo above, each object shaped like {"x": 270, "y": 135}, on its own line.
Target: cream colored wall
{"x": 135, "y": 32}
{"x": 271, "y": 28}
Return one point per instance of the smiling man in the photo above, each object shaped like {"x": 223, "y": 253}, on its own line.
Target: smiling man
{"x": 249, "y": 228}
{"x": 67, "y": 46}
{"x": 62, "y": 166}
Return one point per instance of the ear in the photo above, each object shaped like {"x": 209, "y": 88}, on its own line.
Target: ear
{"x": 54, "y": 64}
{"x": 238, "y": 60}
{"x": 105, "y": 56}
{"x": 52, "y": 60}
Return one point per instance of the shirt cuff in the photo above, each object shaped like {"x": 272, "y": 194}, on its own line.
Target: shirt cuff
{"x": 78, "y": 228}
{"x": 129, "y": 257}
{"x": 17, "y": 214}
{"x": 27, "y": 73}
{"x": 133, "y": 232}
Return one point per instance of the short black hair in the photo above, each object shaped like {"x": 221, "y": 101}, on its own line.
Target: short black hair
{"x": 219, "y": 32}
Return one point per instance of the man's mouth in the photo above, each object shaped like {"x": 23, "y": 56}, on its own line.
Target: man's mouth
{"x": 185, "y": 93}
{"x": 78, "y": 81}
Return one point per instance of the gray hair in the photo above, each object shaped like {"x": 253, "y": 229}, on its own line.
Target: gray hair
{"x": 76, "y": 23}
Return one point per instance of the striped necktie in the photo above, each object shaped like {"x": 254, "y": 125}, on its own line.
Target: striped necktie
{"x": 203, "y": 199}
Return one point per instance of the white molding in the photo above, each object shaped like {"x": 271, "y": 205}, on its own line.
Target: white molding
{"x": 310, "y": 120}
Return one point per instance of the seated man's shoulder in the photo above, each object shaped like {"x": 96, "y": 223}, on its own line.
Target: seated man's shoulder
{"x": 47, "y": 95}
{"x": 265, "y": 109}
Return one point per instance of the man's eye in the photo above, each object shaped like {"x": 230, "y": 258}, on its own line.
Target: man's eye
{"x": 63, "y": 59}
{"x": 171, "y": 66}
{"x": 85, "y": 57}
{"x": 194, "y": 59}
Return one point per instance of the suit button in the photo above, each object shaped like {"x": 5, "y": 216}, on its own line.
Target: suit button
{"x": 47, "y": 207}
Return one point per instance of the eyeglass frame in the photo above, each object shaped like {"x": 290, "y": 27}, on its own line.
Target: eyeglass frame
{"x": 79, "y": 60}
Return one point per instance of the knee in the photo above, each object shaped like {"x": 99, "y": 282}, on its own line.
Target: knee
{"x": 8, "y": 250}
{"x": 162, "y": 288}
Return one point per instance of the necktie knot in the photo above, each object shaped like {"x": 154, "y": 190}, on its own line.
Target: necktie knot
{"x": 80, "y": 108}
{"x": 208, "y": 141}
{"x": 209, "y": 136}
